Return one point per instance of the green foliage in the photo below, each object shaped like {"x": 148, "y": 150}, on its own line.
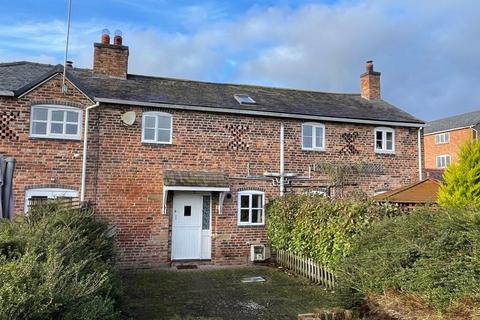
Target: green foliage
{"x": 462, "y": 179}
{"x": 318, "y": 227}
{"x": 433, "y": 254}
{"x": 56, "y": 263}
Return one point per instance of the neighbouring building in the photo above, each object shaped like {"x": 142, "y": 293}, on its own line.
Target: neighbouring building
{"x": 182, "y": 168}
{"x": 445, "y": 137}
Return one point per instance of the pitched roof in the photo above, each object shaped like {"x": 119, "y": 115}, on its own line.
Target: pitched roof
{"x": 195, "y": 179}
{"x": 15, "y": 75}
{"x": 139, "y": 88}
{"x": 424, "y": 191}
{"x": 455, "y": 122}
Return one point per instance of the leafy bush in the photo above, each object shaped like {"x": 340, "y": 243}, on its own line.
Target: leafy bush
{"x": 431, "y": 254}
{"x": 318, "y": 227}
{"x": 56, "y": 263}
{"x": 462, "y": 179}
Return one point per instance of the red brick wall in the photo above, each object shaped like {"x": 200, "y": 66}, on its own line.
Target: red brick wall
{"x": 110, "y": 60}
{"x": 125, "y": 176}
{"x": 432, "y": 150}
{"x": 42, "y": 162}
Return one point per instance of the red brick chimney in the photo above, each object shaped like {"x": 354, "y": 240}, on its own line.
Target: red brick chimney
{"x": 110, "y": 60}
{"x": 370, "y": 83}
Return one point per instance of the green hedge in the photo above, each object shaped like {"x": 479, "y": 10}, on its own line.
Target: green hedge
{"x": 56, "y": 263}
{"x": 432, "y": 254}
{"x": 319, "y": 227}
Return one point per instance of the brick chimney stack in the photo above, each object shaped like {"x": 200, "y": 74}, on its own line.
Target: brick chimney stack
{"x": 370, "y": 83}
{"x": 110, "y": 60}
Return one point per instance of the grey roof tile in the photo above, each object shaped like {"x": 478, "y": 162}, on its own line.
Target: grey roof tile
{"x": 458, "y": 121}
{"x": 215, "y": 95}
{"x": 15, "y": 75}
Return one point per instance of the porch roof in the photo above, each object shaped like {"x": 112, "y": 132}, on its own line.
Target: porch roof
{"x": 204, "y": 179}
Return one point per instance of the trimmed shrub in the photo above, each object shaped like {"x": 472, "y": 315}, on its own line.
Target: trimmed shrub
{"x": 431, "y": 254}
{"x": 462, "y": 179}
{"x": 56, "y": 263}
{"x": 318, "y": 227}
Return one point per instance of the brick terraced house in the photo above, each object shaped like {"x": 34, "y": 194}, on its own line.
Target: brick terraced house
{"x": 184, "y": 169}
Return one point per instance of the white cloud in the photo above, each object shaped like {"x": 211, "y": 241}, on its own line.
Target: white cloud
{"x": 427, "y": 51}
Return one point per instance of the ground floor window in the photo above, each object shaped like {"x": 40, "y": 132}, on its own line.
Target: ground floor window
{"x": 250, "y": 207}
{"x": 35, "y": 196}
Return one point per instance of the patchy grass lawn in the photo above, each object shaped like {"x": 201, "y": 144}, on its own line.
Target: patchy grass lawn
{"x": 220, "y": 294}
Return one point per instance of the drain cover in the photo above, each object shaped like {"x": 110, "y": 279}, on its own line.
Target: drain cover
{"x": 253, "y": 279}
{"x": 187, "y": 266}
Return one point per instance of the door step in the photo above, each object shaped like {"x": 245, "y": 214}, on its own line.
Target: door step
{"x": 187, "y": 267}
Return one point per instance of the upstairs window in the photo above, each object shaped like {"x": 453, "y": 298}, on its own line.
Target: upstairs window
{"x": 443, "y": 161}
{"x": 157, "y": 127}
{"x": 250, "y": 208}
{"x": 384, "y": 140}
{"x": 56, "y": 122}
{"x": 442, "y": 138}
{"x": 313, "y": 136}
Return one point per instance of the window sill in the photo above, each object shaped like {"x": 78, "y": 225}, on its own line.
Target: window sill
{"x": 243, "y": 225}
{"x": 313, "y": 149}
{"x": 156, "y": 143}
{"x": 385, "y": 152}
{"x": 54, "y": 138}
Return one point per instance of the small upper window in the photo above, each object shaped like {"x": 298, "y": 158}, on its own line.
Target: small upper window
{"x": 443, "y": 161}
{"x": 442, "y": 138}
{"x": 244, "y": 99}
{"x": 250, "y": 208}
{"x": 157, "y": 127}
{"x": 56, "y": 122}
{"x": 384, "y": 140}
{"x": 313, "y": 136}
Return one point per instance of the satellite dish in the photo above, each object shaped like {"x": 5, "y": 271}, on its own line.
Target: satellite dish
{"x": 129, "y": 118}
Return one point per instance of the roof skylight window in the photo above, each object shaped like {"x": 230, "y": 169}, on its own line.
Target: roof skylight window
{"x": 244, "y": 99}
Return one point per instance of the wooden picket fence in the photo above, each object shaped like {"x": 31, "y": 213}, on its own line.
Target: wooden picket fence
{"x": 306, "y": 267}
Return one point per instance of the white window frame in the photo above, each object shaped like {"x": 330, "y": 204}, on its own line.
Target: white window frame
{"x": 156, "y": 114}
{"x": 239, "y": 97}
{"x": 50, "y": 193}
{"x": 442, "y": 138}
{"x": 445, "y": 157}
{"x": 50, "y": 135}
{"x": 314, "y": 126}
{"x": 384, "y": 131}
{"x": 250, "y": 193}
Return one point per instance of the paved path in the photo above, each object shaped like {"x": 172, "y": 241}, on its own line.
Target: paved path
{"x": 220, "y": 294}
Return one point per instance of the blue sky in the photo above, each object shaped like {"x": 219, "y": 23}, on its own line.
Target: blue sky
{"x": 426, "y": 50}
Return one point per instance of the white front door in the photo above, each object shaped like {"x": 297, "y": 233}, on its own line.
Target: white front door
{"x": 191, "y": 236}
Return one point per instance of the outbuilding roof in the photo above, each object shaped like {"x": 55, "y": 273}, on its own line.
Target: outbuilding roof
{"x": 456, "y": 122}
{"x": 422, "y": 192}
{"x": 221, "y": 96}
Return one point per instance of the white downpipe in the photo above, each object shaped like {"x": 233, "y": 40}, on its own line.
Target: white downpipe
{"x": 419, "y": 137}
{"x": 85, "y": 148}
{"x": 282, "y": 160}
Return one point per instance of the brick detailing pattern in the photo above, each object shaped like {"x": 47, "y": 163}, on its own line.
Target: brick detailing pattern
{"x": 238, "y": 132}
{"x": 7, "y": 132}
{"x": 59, "y": 102}
{"x": 50, "y": 186}
{"x": 349, "y": 148}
